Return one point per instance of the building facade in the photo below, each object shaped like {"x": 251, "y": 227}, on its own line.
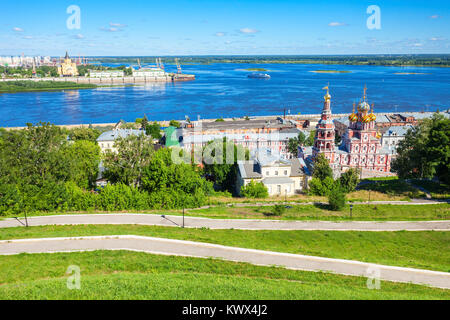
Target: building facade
{"x": 280, "y": 176}
{"x": 392, "y": 137}
{"x": 269, "y": 135}
{"x": 361, "y": 146}
{"x": 106, "y": 74}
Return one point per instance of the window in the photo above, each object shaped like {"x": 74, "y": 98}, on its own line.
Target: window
{"x": 285, "y": 172}
{"x": 276, "y": 173}
{"x": 279, "y": 188}
{"x": 267, "y": 173}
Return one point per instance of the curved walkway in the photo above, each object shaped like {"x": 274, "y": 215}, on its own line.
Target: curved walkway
{"x": 206, "y": 250}
{"x": 243, "y": 224}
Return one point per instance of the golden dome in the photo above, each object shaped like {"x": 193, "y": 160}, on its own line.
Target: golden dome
{"x": 366, "y": 118}
{"x": 353, "y": 117}
{"x": 363, "y": 106}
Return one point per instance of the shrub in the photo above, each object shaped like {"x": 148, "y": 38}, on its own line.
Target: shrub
{"x": 321, "y": 187}
{"x": 254, "y": 190}
{"x": 349, "y": 180}
{"x": 278, "y": 209}
{"x": 336, "y": 199}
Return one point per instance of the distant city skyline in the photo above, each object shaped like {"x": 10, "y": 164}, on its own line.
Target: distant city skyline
{"x": 247, "y": 27}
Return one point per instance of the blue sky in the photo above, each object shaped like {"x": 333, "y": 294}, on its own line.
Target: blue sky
{"x": 194, "y": 27}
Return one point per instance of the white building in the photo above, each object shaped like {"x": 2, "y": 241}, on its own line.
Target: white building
{"x": 280, "y": 176}
{"x": 392, "y": 137}
{"x": 106, "y": 74}
{"x": 107, "y": 139}
{"x": 149, "y": 72}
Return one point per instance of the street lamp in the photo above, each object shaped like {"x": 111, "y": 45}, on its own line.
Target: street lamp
{"x": 351, "y": 209}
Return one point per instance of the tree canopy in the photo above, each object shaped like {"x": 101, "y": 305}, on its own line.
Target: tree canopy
{"x": 425, "y": 151}
{"x": 126, "y": 166}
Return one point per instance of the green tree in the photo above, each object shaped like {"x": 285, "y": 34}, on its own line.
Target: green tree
{"x": 144, "y": 123}
{"x": 221, "y": 167}
{"x": 174, "y": 123}
{"x": 336, "y": 199}
{"x": 322, "y": 168}
{"x": 349, "y": 180}
{"x": 294, "y": 143}
{"x": 88, "y": 134}
{"x": 254, "y": 190}
{"x": 83, "y": 158}
{"x": 321, "y": 187}
{"x": 425, "y": 151}
{"x": 310, "y": 140}
{"x": 153, "y": 130}
{"x": 174, "y": 185}
{"x": 127, "y": 165}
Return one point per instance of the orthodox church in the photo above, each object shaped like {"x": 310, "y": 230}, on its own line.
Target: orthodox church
{"x": 361, "y": 145}
{"x": 68, "y": 68}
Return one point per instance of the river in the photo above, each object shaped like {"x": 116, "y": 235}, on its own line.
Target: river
{"x": 224, "y": 90}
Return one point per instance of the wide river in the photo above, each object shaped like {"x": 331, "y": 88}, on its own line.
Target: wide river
{"x": 224, "y": 90}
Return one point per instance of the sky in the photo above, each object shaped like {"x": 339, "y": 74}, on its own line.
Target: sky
{"x": 231, "y": 27}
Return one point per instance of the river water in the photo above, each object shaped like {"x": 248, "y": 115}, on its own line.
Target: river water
{"x": 224, "y": 90}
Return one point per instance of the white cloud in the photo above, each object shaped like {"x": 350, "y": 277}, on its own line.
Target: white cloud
{"x": 28, "y": 37}
{"x": 112, "y": 29}
{"x": 437, "y": 39}
{"x": 248, "y": 30}
{"x": 337, "y": 24}
{"x": 117, "y": 25}
{"x": 435, "y": 16}
{"x": 17, "y": 29}
{"x": 220, "y": 34}
{"x": 78, "y": 36}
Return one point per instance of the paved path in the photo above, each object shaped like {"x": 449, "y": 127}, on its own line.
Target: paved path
{"x": 205, "y": 250}
{"x": 268, "y": 204}
{"x": 244, "y": 224}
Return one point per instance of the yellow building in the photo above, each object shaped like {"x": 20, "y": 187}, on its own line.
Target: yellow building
{"x": 68, "y": 68}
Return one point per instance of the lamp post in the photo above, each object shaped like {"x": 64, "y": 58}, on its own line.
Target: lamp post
{"x": 183, "y": 216}
{"x": 351, "y": 209}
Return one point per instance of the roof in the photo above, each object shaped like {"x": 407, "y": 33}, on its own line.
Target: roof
{"x": 398, "y": 131}
{"x": 274, "y": 136}
{"x": 277, "y": 180}
{"x": 118, "y": 133}
{"x": 241, "y": 124}
{"x": 252, "y": 169}
{"x": 249, "y": 169}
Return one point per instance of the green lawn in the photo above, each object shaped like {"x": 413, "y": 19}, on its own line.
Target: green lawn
{"x": 437, "y": 190}
{"x": 416, "y": 249}
{"x": 134, "y": 275}
{"x": 321, "y": 212}
{"x": 391, "y": 186}
{"x": 27, "y": 85}
{"x": 360, "y": 212}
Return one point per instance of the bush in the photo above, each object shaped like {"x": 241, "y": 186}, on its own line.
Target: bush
{"x": 254, "y": 190}
{"x": 349, "y": 180}
{"x": 336, "y": 199}
{"x": 319, "y": 187}
{"x": 278, "y": 209}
